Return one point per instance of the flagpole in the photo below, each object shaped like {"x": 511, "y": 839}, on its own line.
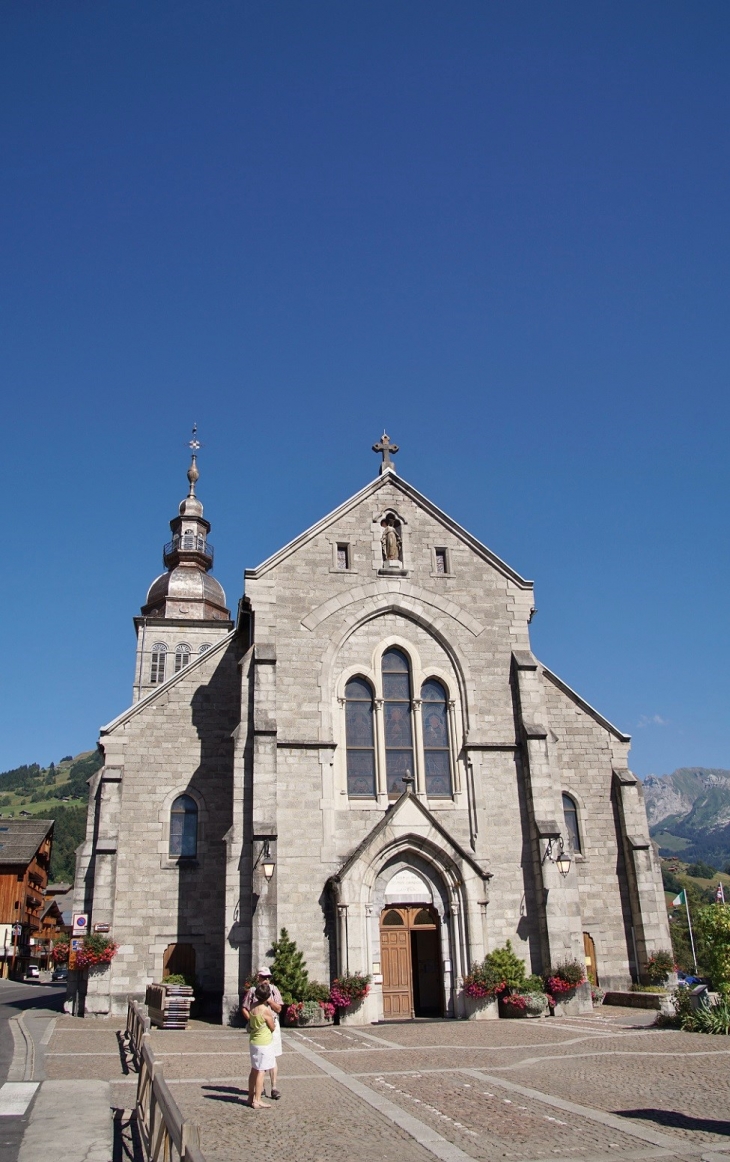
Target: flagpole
{"x": 689, "y": 925}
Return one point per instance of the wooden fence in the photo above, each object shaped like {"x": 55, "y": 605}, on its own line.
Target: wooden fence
{"x": 166, "y": 1135}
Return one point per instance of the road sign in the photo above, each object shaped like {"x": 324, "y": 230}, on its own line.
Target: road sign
{"x": 77, "y": 945}
{"x": 101, "y": 927}
{"x": 17, "y": 929}
{"x": 80, "y": 922}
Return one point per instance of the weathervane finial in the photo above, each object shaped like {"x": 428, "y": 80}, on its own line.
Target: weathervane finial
{"x": 387, "y": 450}
{"x": 193, "y": 473}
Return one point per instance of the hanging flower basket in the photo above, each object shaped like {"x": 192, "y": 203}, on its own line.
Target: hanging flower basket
{"x": 96, "y": 951}
{"x": 60, "y": 950}
{"x": 349, "y": 990}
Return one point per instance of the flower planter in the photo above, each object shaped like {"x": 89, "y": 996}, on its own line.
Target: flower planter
{"x": 534, "y": 1005}
{"x": 577, "y": 1000}
{"x": 480, "y": 1008}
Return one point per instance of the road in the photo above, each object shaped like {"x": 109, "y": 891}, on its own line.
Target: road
{"x": 17, "y": 997}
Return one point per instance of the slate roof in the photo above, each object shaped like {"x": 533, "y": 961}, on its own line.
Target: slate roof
{"x": 21, "y": 838}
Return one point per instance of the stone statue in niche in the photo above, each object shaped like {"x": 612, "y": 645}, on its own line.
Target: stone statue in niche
{"x": 391, "y": 540}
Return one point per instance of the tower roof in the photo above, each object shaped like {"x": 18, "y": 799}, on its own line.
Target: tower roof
{"x": 187, "y": 590}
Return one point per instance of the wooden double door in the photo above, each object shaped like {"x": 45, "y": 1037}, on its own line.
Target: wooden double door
{"x": 410, "y": 954}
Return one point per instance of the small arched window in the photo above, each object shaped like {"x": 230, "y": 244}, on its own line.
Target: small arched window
{"x": 182, "y": 656}
{"x": 157, "y": 668}
{"x": 184, "y": 827}
{"x": 436, "y": 754}
{"x": 360, "y": 739}
{"x": 570, "y": 812}
{"x": 397, "y": 720}
{"x": 205, "y": 646}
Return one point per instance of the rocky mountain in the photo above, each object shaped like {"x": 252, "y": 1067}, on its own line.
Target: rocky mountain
{"x": 689, "y": 813}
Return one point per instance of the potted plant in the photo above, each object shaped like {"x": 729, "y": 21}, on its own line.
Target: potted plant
{"x": 659, "y": 967}
{"x": 348, "y": 991}
{"x": 527, "y": 999}
{"x": 97, "y": 951}
{"x": 563, "y": 981}
{"x": 500, "y": 974}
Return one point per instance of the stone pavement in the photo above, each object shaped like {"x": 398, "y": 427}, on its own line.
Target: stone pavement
{"x": 589, "y": 1088}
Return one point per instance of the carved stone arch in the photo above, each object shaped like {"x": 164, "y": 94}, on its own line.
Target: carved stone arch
{"x": 438, "y": 629}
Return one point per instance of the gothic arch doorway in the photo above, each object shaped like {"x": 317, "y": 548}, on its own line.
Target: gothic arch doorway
{"x": 410, "y": 949}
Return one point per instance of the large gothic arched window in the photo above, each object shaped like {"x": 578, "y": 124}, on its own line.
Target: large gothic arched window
{"x": 360, "y": 739}
{"x": 397, "y": 720}
{"x": 436, "y": 756}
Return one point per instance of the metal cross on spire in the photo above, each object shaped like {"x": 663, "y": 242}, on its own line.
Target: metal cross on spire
{"x": 387, "y": 449}
{"x": 194, "y": 444}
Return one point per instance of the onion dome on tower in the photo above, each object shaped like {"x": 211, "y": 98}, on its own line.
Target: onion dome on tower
{"x": 187, "y": 590}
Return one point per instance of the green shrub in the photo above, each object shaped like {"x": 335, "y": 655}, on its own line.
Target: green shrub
{"x": 713, "y": 1018}
{"x": 506, "y": 966}
{"x": 317, "y": 992}
{"x": 289, "y": 970}
{"x": 533, "y": 984}
{"x": 177, "y": 978}
{"x": 713, "y": 929}
{"x": 701, "y": 870}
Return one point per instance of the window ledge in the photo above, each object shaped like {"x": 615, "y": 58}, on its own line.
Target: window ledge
{"x": 346, "y": 572}
{"x": 446, "y": 575}
{"x": 180, "y": 861}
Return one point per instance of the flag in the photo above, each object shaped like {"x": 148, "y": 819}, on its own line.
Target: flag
{"x": 680, "y": 899}
{"x": 720, "y": 894}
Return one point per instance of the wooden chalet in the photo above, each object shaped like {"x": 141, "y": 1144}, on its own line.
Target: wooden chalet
{"x": 25, "y": 856}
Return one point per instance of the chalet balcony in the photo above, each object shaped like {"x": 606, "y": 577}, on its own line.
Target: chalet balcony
{"x": 189, "y": 543}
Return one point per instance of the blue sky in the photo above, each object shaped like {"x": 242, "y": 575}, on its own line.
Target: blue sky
{"x": 499, "y": 230}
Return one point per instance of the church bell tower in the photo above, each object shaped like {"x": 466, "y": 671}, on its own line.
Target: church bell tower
{"x": 185, "y": 612}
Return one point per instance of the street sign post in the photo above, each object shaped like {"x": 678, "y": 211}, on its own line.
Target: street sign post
{"x": 80, "y": 923}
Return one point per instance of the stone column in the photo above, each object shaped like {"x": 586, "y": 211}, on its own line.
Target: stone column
{"x": 264, "y": 801}
{"x": 646, "y": 892}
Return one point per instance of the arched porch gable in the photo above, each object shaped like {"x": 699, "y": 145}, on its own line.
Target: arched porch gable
{"x": 408, "y": 836}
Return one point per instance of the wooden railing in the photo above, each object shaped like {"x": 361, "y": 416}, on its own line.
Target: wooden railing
{"x": 165, "y": 1134}
{"x": 138, "y": 1023}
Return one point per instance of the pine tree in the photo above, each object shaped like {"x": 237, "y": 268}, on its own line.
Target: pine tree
{"x": 288, "y": 969}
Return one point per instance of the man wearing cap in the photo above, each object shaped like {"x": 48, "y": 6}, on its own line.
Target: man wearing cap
{"x": 275, "y": 1004}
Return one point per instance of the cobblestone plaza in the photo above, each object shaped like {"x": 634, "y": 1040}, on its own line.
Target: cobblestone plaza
{"x": 607, "y": 1086}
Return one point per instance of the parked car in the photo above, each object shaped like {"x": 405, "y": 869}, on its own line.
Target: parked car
{"x": 59, "y": 975}
{"x": 32, "y": 972}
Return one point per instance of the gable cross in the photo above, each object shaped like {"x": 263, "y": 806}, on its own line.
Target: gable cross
{"x": 387, "y": 450}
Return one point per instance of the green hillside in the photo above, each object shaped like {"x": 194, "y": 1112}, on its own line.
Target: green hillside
{"x": 700, "y": 883}
{"x": 57, "y": 792}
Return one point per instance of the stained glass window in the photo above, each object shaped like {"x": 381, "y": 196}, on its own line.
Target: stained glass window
{"x": 570, "y": 811}
{"x": 184, "y": 827}
{"x": 360, "y": 739}
{"x": 397, "y": 720}
{"x": 434, "y": 716}
{"x": 157, "y": 669}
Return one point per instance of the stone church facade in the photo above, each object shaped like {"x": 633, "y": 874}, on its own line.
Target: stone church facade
{"x": 370, "y": 756}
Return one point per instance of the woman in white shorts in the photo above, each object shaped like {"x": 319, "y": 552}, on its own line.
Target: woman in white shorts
{"x": 261, "y": 1025}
